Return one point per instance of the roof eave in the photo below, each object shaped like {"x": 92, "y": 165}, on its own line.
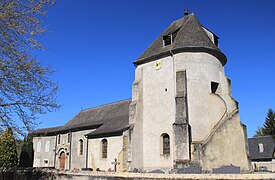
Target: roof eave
{"x": 94, "y": 135}
{"x": 67, "y": 130}
{"x": 218, "y": 54}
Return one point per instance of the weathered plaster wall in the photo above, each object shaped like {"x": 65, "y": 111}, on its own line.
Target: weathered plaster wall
{"x": 226, "y": 146}
{"x": 228, "y": 136}
{"x": 45, "y": 154}
{"x": 206, "y": 112}
{"x": 136, "y": 120}
{"x": 95, "y": 160}
{"x": 157, "y": 114}
{"x": 158, "y": 101}
{"x": 201, "y": 69}
{"x": 71, "y": 148}
{"x": 217, "y": 109}
{"x": 78, "y": 161}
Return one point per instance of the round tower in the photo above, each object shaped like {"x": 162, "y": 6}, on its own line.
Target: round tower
{"x": 182, "y": 112}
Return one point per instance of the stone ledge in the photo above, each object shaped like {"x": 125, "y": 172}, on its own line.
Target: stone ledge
{"x": 46, "y": 174}
{"x": 144, "y": 176}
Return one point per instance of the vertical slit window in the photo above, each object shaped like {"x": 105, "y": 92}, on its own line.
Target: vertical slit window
{"x": 58, "y": 139}
{"x": 69, "y": 138}
{"x": 80, "y": 147}
{"x": 104, "y": 143}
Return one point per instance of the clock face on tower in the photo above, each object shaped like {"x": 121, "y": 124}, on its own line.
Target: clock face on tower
{"x": 157, "y": 64}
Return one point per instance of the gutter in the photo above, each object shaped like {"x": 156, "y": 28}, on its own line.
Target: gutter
{"x": 70, "y": 160}
{"x": 86, "y": 166}
{"x": 55, "y": 152}
{"x": 218, "y": 54}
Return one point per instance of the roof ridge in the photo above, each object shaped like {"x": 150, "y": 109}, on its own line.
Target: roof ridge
{"x": 260, "y": 137}
{"x": 108, "y": 104}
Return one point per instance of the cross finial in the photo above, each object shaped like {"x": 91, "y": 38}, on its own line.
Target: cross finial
{"x": 186, "y": 12}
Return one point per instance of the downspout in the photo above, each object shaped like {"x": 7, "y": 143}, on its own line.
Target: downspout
{"x": 70, "y": 151}
{"x": 55, "y": 151}
{"x": 173, "y": 59}
{"x": 87, "y": 152}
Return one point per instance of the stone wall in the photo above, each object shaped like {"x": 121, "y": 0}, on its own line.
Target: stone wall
{"x": 40, "y": 174}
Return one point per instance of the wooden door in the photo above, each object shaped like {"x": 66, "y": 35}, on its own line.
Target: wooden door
{"x": 62, "y": 161}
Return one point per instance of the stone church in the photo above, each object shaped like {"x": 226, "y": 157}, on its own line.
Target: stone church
{"x": 181, "y": 113}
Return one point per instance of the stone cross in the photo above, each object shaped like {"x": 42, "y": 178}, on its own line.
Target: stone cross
{"x": 115, "y": 163}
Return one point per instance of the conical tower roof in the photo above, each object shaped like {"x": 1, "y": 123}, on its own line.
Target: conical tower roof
{"x": 188, "y": 35}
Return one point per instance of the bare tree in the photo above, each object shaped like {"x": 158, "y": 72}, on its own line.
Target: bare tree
{"x": 26, "y": 88}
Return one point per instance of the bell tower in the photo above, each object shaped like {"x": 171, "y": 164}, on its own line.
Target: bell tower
{"x": 182, "y": 110}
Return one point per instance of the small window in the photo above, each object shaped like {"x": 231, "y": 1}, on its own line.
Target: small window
{"x": 69, "y": 138}
{"x": 216, "y": 42}
{"x": 38, "y": 147}
{"x": 214, "y": 87}
{"x": 80, "y": 147}
{"x": 261, "y": 147}
{"x": 36, "y": 163}
{"x": 104, "y": 148}
{"x": 165, "y": 144}
{"x": 167, "y": 40}
{"x": 46, "y": 162}
{"x": 58, "y": 139}
{"x": 47, "y": 147}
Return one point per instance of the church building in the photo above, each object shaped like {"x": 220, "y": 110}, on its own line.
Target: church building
{"x": 181, "y": 113}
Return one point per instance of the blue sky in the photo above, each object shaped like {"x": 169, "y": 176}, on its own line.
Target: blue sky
{"x": 92, "y": 44}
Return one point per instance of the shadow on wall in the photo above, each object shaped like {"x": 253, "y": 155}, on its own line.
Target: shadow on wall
{"x": 26, "y": 174}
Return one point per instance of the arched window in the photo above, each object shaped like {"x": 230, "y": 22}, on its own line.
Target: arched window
{"x": 80, "y": 147}
{"x": 47, "y": 146}
{"x": 165, "y": 144}
{"x": 38, "y": 147}
{"x": 104, "y": 147}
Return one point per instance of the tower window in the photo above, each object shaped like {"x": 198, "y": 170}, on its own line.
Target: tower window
{"x": 167, "y": 40}
{"x": 104, "y": 148}
{"x": 214, "y": 87}
{"x": 80, "y": 147}
{"x": 216, "y": 42}
{"x": 165, "y": 144}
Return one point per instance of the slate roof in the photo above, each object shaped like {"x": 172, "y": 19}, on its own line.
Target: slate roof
{"x": 268, "y": 144}
{"x": 107, "y": 120}
{"x": 190, "y": 37}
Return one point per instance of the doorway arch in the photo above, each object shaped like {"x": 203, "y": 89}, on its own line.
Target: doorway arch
{"x": 62, "y": 160}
